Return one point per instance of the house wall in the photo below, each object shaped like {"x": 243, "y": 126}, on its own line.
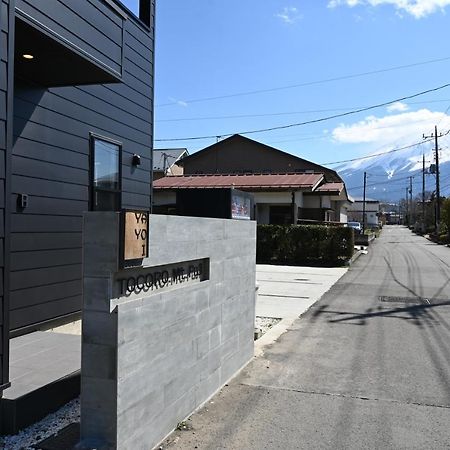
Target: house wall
{"x": 175, "y": 170}
{"x": 343, "y": 213}
{"x": 372, "y": 218}
{"x": 172, "y": 171}
{"x": 299, "y": 199}
{"x": 51, "y": 152}
{"x": 263, "y": 200}
{"x": 311, "y": 201}
{"x": 357, "y": 216}
{"x": 281, "y": 198}
{"x": 6, "y": 84}
{"x": 263, "y": 213}
{"x": 355, "y": 212}
{"x": 326, "y": 201}
{"x": 164, "y": 198}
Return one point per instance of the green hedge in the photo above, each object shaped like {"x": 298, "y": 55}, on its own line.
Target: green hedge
{"x": 303, "y": 244}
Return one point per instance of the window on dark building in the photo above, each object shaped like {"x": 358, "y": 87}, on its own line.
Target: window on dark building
{"x": 140, "y": 8}
{"x": 106, "y": 158}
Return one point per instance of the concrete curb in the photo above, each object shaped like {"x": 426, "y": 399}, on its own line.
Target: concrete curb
{"x": 272, "y": 335}
{"x": 355, "y": 256}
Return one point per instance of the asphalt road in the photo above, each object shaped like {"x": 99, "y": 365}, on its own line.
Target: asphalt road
{"x": 367, "y": 367}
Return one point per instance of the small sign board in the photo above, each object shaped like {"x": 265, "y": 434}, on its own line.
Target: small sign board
{"x": 134, "y": 236}
{"x": 241, "y": 205}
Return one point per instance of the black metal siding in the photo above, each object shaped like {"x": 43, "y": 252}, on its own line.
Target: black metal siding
{"x": 50, "y": 160}
{"x": 3, "y": 96}
{"x": 89, "y": 25}
{"x": 6, "y": 31}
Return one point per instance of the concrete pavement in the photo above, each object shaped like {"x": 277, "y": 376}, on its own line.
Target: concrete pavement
{"x": 287, "y": 292}
{"x": 367, "y": 366}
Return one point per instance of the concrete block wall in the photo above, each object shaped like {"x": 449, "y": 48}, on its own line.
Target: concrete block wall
{"x": 149, "y": 360}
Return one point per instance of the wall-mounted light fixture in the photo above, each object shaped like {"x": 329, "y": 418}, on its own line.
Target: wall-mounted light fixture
{"x": 27, "y": 56}
{"x": 22, "y": 201}
{"x": 136, "y": 161}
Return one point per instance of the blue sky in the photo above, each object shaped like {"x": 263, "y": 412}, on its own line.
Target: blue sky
{"x": 217, "y": 48}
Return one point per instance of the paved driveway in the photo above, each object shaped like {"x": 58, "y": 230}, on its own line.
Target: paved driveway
{"x": 287, "y": 292}
{"x": 366, "y": 367}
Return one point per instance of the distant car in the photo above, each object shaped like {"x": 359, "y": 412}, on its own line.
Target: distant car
{"x": 355, "y": 225}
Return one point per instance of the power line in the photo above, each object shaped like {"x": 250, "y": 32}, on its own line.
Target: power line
{"x": 308, "y": 122}
{"x": 423, "y": 141}
{"x": 288, "y": 113}
{"x": 321, "y": 136}
{"x": 376, "y": 154}
{"x": 390, "y": 181}
{"x": 309, "y": 83}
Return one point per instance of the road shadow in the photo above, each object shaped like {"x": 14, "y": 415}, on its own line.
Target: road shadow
{"x": 420, "y": 315}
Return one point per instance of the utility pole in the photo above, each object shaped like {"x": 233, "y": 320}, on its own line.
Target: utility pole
{"x": 438, "y": 193}
{"x": 407, "y": 212}
{"x": 410, "y": 199}
{"x": 364, "y": 204}
{"x": 424, "y": 223}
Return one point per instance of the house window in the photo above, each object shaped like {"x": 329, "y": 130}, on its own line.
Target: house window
{"x": 140, "y": 8}
{"x": 106, "y": 162}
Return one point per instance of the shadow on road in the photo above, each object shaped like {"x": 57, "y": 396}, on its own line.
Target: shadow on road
{"x": 420, "y": 315}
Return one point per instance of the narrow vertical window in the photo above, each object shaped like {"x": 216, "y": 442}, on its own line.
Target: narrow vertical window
{"x": 105, "y": 157}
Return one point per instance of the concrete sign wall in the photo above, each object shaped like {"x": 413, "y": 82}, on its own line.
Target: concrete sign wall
{"x": 161, "y": 339}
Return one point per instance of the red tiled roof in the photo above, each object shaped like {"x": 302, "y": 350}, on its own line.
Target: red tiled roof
{"x": 245, "y": 181}
{"x": 331, "y": 187}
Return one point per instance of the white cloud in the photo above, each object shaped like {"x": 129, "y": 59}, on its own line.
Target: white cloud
{"x": 399, "y": 128}
{"x": 398, "y": 107}
{"x": 417, "y": 8}
{"x": 289, "y": 14}
{"x": 178, "y": 102}
{"x": 335, "y": 3}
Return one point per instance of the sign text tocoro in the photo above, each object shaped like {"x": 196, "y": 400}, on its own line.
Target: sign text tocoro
{"x": 160, "y": 278}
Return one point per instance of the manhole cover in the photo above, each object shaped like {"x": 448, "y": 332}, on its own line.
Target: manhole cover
{"x": 415, "y": 300}
{"x": 66, "y": 439}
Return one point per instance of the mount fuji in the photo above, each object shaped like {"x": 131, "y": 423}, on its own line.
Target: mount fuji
{"x": 388, "y": 174}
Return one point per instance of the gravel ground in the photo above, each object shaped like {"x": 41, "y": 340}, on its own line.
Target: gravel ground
{"x": 265, "y": 323}
{"x": 47, "y": 427}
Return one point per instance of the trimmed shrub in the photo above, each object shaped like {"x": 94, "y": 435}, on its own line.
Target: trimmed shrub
{"x": 303, "y": 244}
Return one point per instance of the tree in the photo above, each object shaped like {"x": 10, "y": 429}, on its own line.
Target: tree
{"x": 445, "y": 215}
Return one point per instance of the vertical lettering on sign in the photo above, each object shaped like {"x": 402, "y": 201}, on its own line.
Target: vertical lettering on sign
{"x": 135, "y": 235}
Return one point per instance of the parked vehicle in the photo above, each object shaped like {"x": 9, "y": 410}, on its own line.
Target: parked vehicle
{"x": 356, "y": 226}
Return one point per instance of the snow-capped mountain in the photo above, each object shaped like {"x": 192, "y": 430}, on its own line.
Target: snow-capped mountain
{"x": 387, "y": 175}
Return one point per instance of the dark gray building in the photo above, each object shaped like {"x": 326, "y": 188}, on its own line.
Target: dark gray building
{"x": 76, "y": 116}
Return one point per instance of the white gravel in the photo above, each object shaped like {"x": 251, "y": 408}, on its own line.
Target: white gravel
{"x": 47, "y": 427}
{"x": 265, "y": 323}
